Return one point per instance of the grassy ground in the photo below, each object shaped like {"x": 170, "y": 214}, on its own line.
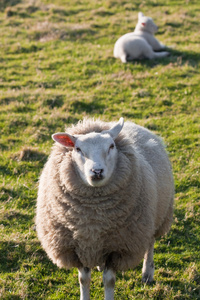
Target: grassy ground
{"x": 57, "y": 67}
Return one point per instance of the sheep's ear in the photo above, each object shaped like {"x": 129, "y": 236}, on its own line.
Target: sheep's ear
{"x": 140, "y": 15}
{"x": 115, "y": 130}
{"x": 64, "y": 139}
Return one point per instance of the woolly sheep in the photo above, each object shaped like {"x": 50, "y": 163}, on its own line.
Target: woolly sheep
{"x": 105, "y": 194}
{"x": 141, "y": 43}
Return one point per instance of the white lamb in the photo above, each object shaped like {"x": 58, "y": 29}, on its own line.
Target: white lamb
{"x": 105, "y": 194}
{"x": 141, "y": 43}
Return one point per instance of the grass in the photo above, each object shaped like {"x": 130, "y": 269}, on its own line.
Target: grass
{"x": 56, "y": 67}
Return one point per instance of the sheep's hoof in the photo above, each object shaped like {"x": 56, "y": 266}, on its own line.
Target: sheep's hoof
{"x": 147, "y": 279}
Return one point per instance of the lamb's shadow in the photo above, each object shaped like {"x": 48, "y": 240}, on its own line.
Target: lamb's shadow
{"x": 184, "y": 57}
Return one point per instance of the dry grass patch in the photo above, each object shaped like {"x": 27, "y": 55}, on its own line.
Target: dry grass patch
{"x": 29, "y": 154}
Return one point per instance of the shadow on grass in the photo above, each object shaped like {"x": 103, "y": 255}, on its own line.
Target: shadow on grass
{"x": 82, "y": 34}
{"x": 7, "y": 3}
{"x": 22, "y": 197}
{"x": 133, "y": 115}
{"x": 183, "y": 236}
{"x": 81, "y": 106}
{"x": 174, "y": 24}
{"x": 14, "y": 255}
{"x": 37, "y": 272}
{"x": 5, "y": 170}
{"x": 190, "y": 57}
{"x": 54, "y": 101}
{"x": 14, "y": 218}
{"x": 3, "y": 147}
{"x": 16, "y": 49}
{"x": 184, "y": 185}
{"x": 66, "y": 12}
{"x": 27, "y": 154}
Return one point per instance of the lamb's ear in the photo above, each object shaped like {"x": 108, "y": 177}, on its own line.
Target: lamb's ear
{"x": 115, "y": 130}
{"x": 64, "y": 139}
{"x": 140, "y": 15}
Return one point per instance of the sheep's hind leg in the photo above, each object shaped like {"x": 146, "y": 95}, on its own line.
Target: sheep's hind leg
{"x": 161, "y": 54}
{"x": 148, "y": 52}
{"x": 109, "y": 279}
{"x": 84, "y": 275}
{"x": 148, "y": 265}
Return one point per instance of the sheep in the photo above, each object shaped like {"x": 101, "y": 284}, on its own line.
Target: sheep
{"x": 140, "y": 43}
{"x": 105, "y": 194}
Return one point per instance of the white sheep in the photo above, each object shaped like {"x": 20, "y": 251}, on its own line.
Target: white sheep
{"x": 105, "y": 194}
{"x": 140, "y": 43}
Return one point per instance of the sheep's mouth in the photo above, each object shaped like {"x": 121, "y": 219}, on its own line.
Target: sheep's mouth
{"x": 97, "y": 177}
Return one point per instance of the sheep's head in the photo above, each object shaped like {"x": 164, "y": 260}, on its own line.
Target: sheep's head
{"x": 146, "y": 24}
{"x": 94, "y": 154}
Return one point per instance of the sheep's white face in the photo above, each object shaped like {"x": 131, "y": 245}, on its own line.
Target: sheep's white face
{"x": 146, "y": 24}
{"x": 94, "y": 154}
{"x": 95, "y": 157}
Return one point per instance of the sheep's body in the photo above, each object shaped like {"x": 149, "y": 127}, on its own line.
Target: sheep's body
{"x": 112, "y": 226}
{"x": 141, "y": 43}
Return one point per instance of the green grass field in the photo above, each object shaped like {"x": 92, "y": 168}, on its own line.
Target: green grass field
{"x": 57, "y": 67}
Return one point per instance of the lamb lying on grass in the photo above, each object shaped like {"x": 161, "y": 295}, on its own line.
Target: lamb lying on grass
{"x": 105, "y": 194}
{"x": 141, "y": 43}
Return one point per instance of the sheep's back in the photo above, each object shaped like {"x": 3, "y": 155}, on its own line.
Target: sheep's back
{"x": 152, "y": 150}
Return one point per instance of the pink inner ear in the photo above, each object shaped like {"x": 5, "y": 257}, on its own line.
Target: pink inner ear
{"x": 64, "y": 140}
{"x": 143, "y": 24}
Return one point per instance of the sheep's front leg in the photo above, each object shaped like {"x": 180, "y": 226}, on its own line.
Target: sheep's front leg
{"x": 148, "y": 265}
{"x": 109, "y": 283}
{"x": 84, "y": 276}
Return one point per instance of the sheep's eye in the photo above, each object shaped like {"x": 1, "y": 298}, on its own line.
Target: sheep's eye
{"x": 78, "y": 149}
{"x": 112, "y": 146}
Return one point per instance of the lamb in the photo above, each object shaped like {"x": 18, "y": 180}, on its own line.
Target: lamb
{"x": 105, "y": 194}
{"x": 140, "y": 43}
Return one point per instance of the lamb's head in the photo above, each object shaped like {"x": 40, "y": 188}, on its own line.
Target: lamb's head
{"x": 146, "y": 24}
{"x": 93, "y": 154}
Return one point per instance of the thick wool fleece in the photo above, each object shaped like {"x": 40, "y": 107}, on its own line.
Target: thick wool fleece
{"x": 81, "y": 225}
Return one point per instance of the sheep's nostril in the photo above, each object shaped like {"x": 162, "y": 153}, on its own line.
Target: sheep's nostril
{"x": 97, "y": 171}
{"x": 97, "y": 174}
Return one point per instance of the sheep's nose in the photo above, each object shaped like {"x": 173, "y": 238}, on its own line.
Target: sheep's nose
{"x": 97, "y": 171}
